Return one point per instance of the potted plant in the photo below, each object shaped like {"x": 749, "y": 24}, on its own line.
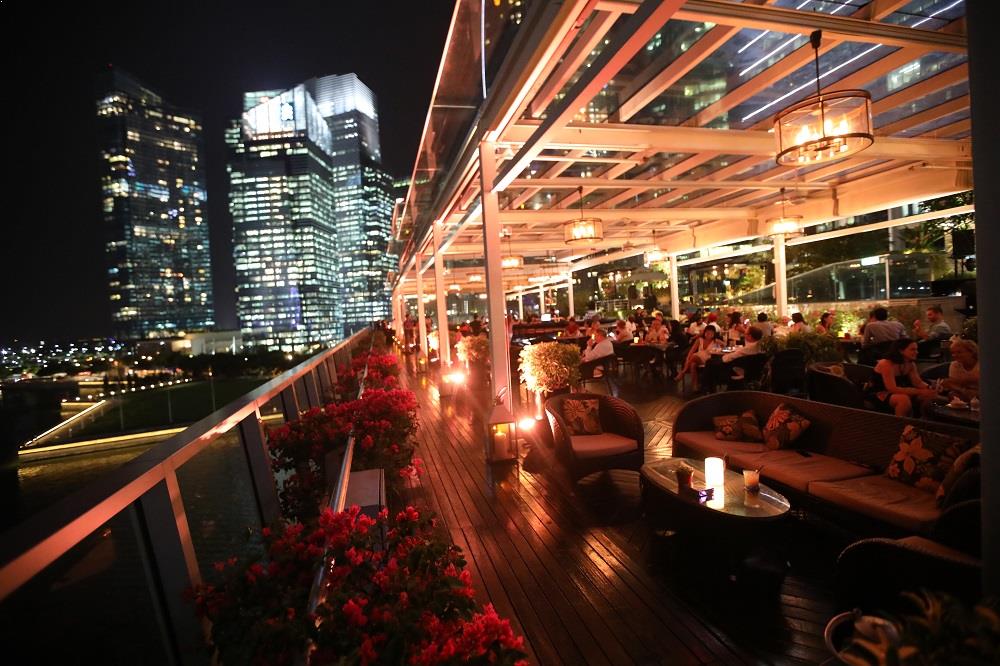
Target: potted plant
{"x": 815, "y": 347}
{"x": 550, "y": 367}
{"x": 474, "y": 352}
{"x": 938, "y": 629}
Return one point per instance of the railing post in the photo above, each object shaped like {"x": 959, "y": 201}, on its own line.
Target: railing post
{"x": 255, "y": 447}
{"x": 167, "y": 537}
{"x": 312, "y": 391}
{"x": 289, "y": 403}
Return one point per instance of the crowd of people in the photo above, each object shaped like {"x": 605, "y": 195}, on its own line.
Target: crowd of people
{"x": 707, "y": 345}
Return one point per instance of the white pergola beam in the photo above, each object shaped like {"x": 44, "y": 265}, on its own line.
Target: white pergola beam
{"x": 629, "y": 214}
{"x": 846, "y": 28}
{"x": 662, "y": 184}
{"x": 664, "y": 138}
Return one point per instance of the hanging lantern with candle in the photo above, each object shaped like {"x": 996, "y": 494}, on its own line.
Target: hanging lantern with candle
{"x": 824, "y": 126}
{"x": 583, "y": 230}
{"x": 501, "y": 435}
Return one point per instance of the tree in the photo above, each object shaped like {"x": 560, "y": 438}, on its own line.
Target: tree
{"x": 929, "y": 236}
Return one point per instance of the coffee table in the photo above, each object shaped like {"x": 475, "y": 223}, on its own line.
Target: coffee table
{"x": 718, "y": 533}
{"x": 730, "y": 501}
{"x": 940, "y": 411}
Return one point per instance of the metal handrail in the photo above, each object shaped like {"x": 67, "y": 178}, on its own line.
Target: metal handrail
{"x": 339, "y": 496}
{"x": 27, "y": 549}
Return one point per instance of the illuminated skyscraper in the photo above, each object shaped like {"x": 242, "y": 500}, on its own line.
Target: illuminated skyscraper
{"x": 281, "y": 200}
{"x": 362, "y": 199}
{"x": 153, "y": 203}
{"x": 312, "y": 211}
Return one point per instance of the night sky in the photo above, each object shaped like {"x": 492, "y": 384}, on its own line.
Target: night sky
{"x": 200, "y": 56}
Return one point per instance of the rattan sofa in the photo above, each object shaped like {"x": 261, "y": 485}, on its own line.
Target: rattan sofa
{"x": 849, "y": 449}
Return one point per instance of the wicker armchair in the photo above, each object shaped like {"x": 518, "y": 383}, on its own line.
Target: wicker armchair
{"x": 586, "y": 454}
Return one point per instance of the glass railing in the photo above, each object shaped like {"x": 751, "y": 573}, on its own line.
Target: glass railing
{"x": 100, "y": 576}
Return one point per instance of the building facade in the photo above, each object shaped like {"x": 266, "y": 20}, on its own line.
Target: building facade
{"x": 312, "y": 212}
{"x": 153, "y": 207}
{"x": 281, "y": 201}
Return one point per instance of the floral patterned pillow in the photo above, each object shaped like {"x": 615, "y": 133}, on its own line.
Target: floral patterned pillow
{"x": 583, "y": 417}
{"x": 924, "y": 458}
{"x": 784, "y": 426}
{"x": 727, "y": 428}
{"x": 738, "y": 428}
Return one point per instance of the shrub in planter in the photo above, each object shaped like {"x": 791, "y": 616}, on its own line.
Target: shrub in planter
{"x": 815, "y": 346}
{"x": 970, "y": 329}
{"x": 550, "y": 366}
{"x": 384, "y": 422}
{"x": 383, "y": 372}
{"x": 473, "y": 349}
{"x": 396, "y": 593}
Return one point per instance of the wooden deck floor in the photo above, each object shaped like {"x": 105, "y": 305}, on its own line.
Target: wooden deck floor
{"x": 579, "y": 571}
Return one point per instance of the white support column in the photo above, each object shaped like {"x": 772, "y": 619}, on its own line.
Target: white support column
{"x": 444, "y": 337}
{"x": 495, "y": 301}
{"x": 541, "y": 301}
{"x": 780, "y": 276}
{"x": 675, "y": 291}
{"x": 421, "y": 315}
{"x": 520, "y": 306}
{"x": 569, "y": 290}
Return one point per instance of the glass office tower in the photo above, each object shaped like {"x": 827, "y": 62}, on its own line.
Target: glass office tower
{"x": 362, "y": 200}
{"x": 153, "y": 205}
{"x": 312, "y": 211}
{"x": 281, "y": 200}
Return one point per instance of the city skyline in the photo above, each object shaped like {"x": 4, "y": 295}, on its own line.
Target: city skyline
{"x": 201, "y": 58}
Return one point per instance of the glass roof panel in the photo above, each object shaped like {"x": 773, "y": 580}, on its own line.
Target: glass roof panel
{"x": 928, "y": 14}
{"x": 838, "y": 62}
{"x": 921, "y": 104}
{"x": 932, "y": 125}
{"x": 913, "y": 72}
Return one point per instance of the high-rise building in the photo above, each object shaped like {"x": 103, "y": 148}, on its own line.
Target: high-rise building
{"x": 281, "y": 200}
{"x": 362, "y": 200}
{"x": 153, "y": 206}
{"x": 312, "y": 211}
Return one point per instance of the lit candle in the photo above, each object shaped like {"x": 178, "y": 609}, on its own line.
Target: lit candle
{"x": 715, "y": 472}
{"x": 499, "y": 442}
{"x": 635, "y": 340}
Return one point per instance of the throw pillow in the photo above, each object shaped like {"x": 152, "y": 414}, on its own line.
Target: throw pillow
{"x": 727, "y": 428}
{"x": 924, "y": 458}
{"x": 784, "y": 426}
{"x": 583, "y": 417}
{"x": 836, "y": 369}
{"x": 963, "y": 462}
{"x": 750, "y": 427}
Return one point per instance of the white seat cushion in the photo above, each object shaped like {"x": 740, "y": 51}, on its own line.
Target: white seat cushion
{"x": 599, "y": 446}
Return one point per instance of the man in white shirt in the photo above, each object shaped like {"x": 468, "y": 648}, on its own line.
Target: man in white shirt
{"x": 598, "y": 346}
{"x": 766, "y": 327}
{"x": 754, "y": 336}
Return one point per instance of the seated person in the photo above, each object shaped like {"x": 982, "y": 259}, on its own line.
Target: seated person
{"x": 963, "y": 374}
{"x": 799, "y": 324}
{"x": 766, "y": 327}
{"x": 695, "y": 325}
{"x": 477, "y": 324}
{"x": 621, "y": 332}
{"x": 465, "y": 329}
{"x": 657, "y": 333}
{"x": 735, "y": 330}
{"x": 825, "y": 325}
{"x": 598, "y": 347}
{"x": 879, "y": 329}
{"x": 701, "y": 351}
{"x": 722, "y": 372}
{"x": 631, "y": 325}
{"x": 712, "y": 319}
{"x": 937, "y": 330}
{"x": 572, "y": 329}
{"x": 896, "y": 383}
{"x": 595, "y": 325}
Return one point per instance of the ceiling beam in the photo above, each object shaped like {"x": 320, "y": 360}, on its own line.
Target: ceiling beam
{"x": 628, "y": 214}
{"x": 845, "y": 28}
{"x": 665, "y": 138}
{"x": 660, "y": 184}
{"x": 931, "y": 84}
{"x": 641, "y": 27}
{"x": 925, "y": 116}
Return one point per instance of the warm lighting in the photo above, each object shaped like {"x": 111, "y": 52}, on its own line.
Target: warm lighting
{"x": 526, "y": 424}
{"x": 653, "y": 257}
{"x": 790, "y": 224}
{"x": 476, "y": 277}
{"x": 635, "y": 340}
{"x": 824, "y": 126}
{"x": 715, "y": 472}
{"x": 455, "y": 287}
{"x": 512, "y": 261}
{"x": 501, "y": 435}
{"x": 455, "y": 377}
{"x": 583, "y": 230}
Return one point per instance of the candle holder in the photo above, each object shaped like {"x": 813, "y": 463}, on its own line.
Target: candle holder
{"x": 684, "y": 475}
{"x": 751, "y": 480}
